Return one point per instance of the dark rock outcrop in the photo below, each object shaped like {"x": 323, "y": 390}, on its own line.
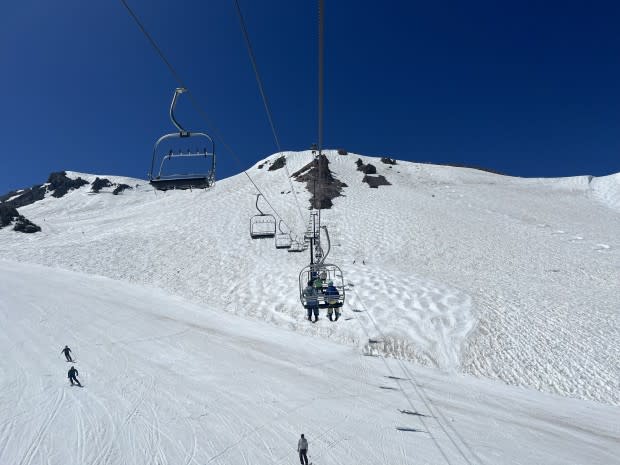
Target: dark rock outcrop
{"x": 100, "y": 183}
{"x": 279, "y": 163}
{"x": 9, "y": 214}
{"x": 376, "y": 181}
{"x": 25, "y": 196}
{"x": 120, "y": 188}
{"x": 388, "y": 160}
{"x": 320, "y": 182}
{"x": 366, "y": 169}
{"x": 58, "y": 184}
{"x": 25, "y": 225}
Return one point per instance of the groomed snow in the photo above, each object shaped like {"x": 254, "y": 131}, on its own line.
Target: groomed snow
{"x": 171, "y": 382}
{"x": 471, "y": 272}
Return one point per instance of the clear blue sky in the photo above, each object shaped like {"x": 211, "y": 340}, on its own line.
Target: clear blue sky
{"x": 529, "y": 88}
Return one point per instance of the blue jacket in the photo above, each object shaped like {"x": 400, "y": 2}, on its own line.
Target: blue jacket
{"x": 311, "y": 295}
{"x": 331, "y": 291}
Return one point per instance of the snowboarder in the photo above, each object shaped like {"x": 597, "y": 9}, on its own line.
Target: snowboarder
{"x": 332, "y": 294}
{"x": 72, "y": 374}
{"x": 67, "y": 353}
{"x": 302, "y": 448}
{"x": 312, "y": 301}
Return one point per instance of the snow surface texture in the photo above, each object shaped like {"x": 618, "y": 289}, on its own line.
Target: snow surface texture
{"x": 506, "y": 278}
{"x": 170, "y": 382}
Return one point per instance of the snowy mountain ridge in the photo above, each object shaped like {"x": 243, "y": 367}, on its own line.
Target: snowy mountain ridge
{"x": 462, "y": 270}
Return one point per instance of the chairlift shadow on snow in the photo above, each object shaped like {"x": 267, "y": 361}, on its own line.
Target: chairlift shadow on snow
{"x": 409, "y": 412}
{"x": 409, "y": 430}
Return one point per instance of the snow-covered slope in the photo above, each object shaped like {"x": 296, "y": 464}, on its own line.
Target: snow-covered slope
{"x": 467, "y": 271}
{"x": 170, "y": 382}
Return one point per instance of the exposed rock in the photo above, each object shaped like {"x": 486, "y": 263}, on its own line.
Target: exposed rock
{"x": 320, "y": 182}
{"x": 100, "y": 183}
{"x": 260, "y": 167}
{"x": 388, "y": 160}
{"x": 342, "y": 152}
{"x": 26, "y": 226}
{"x": 60, "y": 184}
{"x": 279, "y": 163}
{"x": 25, "y": 196}
{"x": 376, "y": 181}
{"x": 120, "y": 188}
{"x": 9, "y": 214}
{"x": 366, "y": 169}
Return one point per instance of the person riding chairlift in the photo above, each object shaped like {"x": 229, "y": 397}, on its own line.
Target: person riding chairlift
{"x": 332, "y": 295}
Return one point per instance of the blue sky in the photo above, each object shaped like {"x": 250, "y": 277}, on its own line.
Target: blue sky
{"x": 526, "y": 88}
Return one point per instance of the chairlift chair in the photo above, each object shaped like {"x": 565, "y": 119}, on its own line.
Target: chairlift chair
{"x": 262, "y": 225}
{"x": 283, "y": 239}
{"x": 297, "y": 246}
{"x": 332, "y": 273}
{"x": 193, "y": 146}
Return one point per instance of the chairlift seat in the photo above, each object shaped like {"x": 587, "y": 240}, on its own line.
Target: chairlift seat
{"x": 262, "y": 226}
{"x": 181, "y": 182}
{"x": 332, "y": 273}
{"x": 188, "y": 147}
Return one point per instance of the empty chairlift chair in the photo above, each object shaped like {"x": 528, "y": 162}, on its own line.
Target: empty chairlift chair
{"x": 187, "y": 162}
{"x": 297, "y": 246}
{"x": 283, "y": 239}
{"x": 262, "y": 225}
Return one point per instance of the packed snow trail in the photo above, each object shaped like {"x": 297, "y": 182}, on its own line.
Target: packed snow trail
{"x": 169, "y": 382}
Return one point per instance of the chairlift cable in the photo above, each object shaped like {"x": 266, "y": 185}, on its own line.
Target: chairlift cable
{"x": 263, "y": 94}
{"x": 256, "y": 73}
{"x": 195, "y": 103}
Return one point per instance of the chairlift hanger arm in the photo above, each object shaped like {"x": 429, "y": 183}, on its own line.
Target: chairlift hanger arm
{"x": 259, "y": 210}
{"x": 178, "y": 91}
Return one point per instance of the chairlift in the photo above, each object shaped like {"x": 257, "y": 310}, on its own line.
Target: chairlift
{"x": 327, "y": 272}
{"x": 283, "y": 239}
{"x": 190, "y": 147}
{"x": 262, "y": 225}
{"x": 297, "y": 246}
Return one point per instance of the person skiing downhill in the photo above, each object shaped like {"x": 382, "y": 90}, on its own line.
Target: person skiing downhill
{"x": 302, "y": 448}
{"x": 72, "y": 374}
{"x": 67, "y": 353}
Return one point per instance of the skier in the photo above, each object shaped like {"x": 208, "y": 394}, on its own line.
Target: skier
{"x": 72, "y": 374}
{"x": 302, "y": 448}
{"x": 318, "y": 284}
{"x": 332, "y": 294}
{"x": 67, "y": 353}
{"x": 312, "y": 301}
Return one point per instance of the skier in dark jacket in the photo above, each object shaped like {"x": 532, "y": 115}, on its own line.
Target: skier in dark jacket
{"x": 72, "y": 374}
{"x": 67, "y": 353}
{"x": 312, "y": 301}
{"x": 302, "y": 448}
{"x": 332, "y": 295}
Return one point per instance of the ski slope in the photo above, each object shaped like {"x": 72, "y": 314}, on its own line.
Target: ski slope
{"x": 457, "y": 269}
{"x": 167, "y": 381}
